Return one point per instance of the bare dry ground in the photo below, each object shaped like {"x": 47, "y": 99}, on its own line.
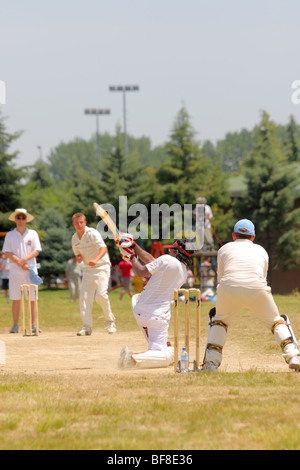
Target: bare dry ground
{"x": 63, "y": 352}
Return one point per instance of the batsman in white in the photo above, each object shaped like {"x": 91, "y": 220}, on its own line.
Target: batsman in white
{"x": 89, "y": 247}
{"x": 152, "y": 308}
{"x": 242, "y": 283}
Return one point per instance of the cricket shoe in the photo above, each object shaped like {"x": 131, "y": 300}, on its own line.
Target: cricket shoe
{"x": 209, "y": 367}
{"x": 111, "y": 328}
{"x": 126, "y": 361}
{"x": 15, "y": 329}
{"x": 85, "y": 332}
{"x": 294, "y": 363}
{"x": 34, "y": 330}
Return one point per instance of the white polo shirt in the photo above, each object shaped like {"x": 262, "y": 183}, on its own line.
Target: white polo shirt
{"x": 208, "y": 216}
{"x": 22, "y": 245}
{"x": 88, "y": 246}
{"x": 167, "y": 274}
{"x": 243, "y": 264}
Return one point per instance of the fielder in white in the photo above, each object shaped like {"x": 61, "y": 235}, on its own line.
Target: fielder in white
{"x": 21, "y": 247}
{"x": 242, "y": 283}
{"x": 152, "y": 308}
{"x": 89, "y": 247}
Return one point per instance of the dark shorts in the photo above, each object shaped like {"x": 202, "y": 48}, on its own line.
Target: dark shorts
{"x": 5, "y": 284}
{"x": 126, "y": 283}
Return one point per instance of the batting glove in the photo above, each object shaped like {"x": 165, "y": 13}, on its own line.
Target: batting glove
{"x": 126, "y": 241}
{"x": 127, "y": 253}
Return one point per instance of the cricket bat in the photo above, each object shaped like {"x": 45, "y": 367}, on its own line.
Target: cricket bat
{"x": 107, "y": 219}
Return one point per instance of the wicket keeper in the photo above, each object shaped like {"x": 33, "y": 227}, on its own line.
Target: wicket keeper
{"x": 242, "y": 283}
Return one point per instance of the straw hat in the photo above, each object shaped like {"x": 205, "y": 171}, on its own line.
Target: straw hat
{"x": 29, "y": 217}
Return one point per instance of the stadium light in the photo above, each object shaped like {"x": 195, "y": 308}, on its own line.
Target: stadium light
{"x": 124, "y": 89}
{"x": 97, "y": 112}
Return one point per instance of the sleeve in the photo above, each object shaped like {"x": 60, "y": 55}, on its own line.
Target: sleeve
{"x": 208, "y": 212}
{"x": 7, "y": 245}
{"x": 97, "y": 238}
{"x": 75, "y": 249}
{"x": 155, "y": 265}
{"x": 36, "y": 242}
{"x": 220, "y": 271}
{"x": 266, "y": 267}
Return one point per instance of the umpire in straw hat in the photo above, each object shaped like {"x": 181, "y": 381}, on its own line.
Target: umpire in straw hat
{"x": 21, "y": 246}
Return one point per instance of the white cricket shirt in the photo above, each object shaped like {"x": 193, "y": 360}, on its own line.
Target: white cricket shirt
{"x": 22, "y": 245}
{"x": 208, "y": 215}
{"x": 243, "y": 264}
{"x": 89, "y": 246}
{"x": 167, "y": 274}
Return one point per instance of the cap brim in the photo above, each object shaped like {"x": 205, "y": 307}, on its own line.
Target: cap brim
{"x": 169, "y": 246}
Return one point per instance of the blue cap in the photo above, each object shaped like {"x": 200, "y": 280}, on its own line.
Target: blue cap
{"x": 245, "y": 227}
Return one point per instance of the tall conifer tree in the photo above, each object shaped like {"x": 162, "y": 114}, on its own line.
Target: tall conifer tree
{"x": 269, "y": 199}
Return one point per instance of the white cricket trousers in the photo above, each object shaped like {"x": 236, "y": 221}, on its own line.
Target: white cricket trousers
{"x": 94, "y": 286}
{"x": 155, "y": 330}
{"x": 230, "y": 301}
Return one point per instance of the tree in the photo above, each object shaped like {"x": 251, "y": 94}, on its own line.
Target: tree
{"x": 122, "y": 175}
{"x": 269, "y": 199}
{"x": 10, "y": 176}
{"x": 189, "y": 173}
{"x": 293, "y": 141}
{"x": 177, "y": 174}
{"x": 67, "y": 155}
{"x": 234, "y": 148}
{"x": 40, "y": 174}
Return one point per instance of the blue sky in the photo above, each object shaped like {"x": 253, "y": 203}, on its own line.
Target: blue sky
{"x": 224, "y": 60}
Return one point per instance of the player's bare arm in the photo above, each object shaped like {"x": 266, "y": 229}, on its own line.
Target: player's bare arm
{"x": 143, "y": 255}
{"x": 139, "y": 269}
{"x": 22, "y": 263}
{"x": 33, "y": 254}
{"x": 12, "y": 257}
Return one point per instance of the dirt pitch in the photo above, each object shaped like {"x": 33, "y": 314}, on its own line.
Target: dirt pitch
{"x": 63, "y": 352}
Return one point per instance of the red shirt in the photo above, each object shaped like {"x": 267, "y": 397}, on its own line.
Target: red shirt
{"x": 125, "y": 268}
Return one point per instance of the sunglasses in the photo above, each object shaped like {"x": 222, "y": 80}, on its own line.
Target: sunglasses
{"x": 21, "y": 217}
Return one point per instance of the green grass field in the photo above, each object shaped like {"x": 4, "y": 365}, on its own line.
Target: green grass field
{"x": 245, "y": 410}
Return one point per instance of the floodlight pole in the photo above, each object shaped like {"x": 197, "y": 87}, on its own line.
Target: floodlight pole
{"x": 124, "y": 89}
{"x": 97, "y": 113}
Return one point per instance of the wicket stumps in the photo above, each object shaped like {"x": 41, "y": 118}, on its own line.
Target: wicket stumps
{"x": 186, "y": 292}
{"x": 28, "y": 289}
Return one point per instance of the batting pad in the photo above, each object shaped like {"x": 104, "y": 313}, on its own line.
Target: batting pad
{"x": 154, "y": 359}
{"x": 283, "y": 337}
